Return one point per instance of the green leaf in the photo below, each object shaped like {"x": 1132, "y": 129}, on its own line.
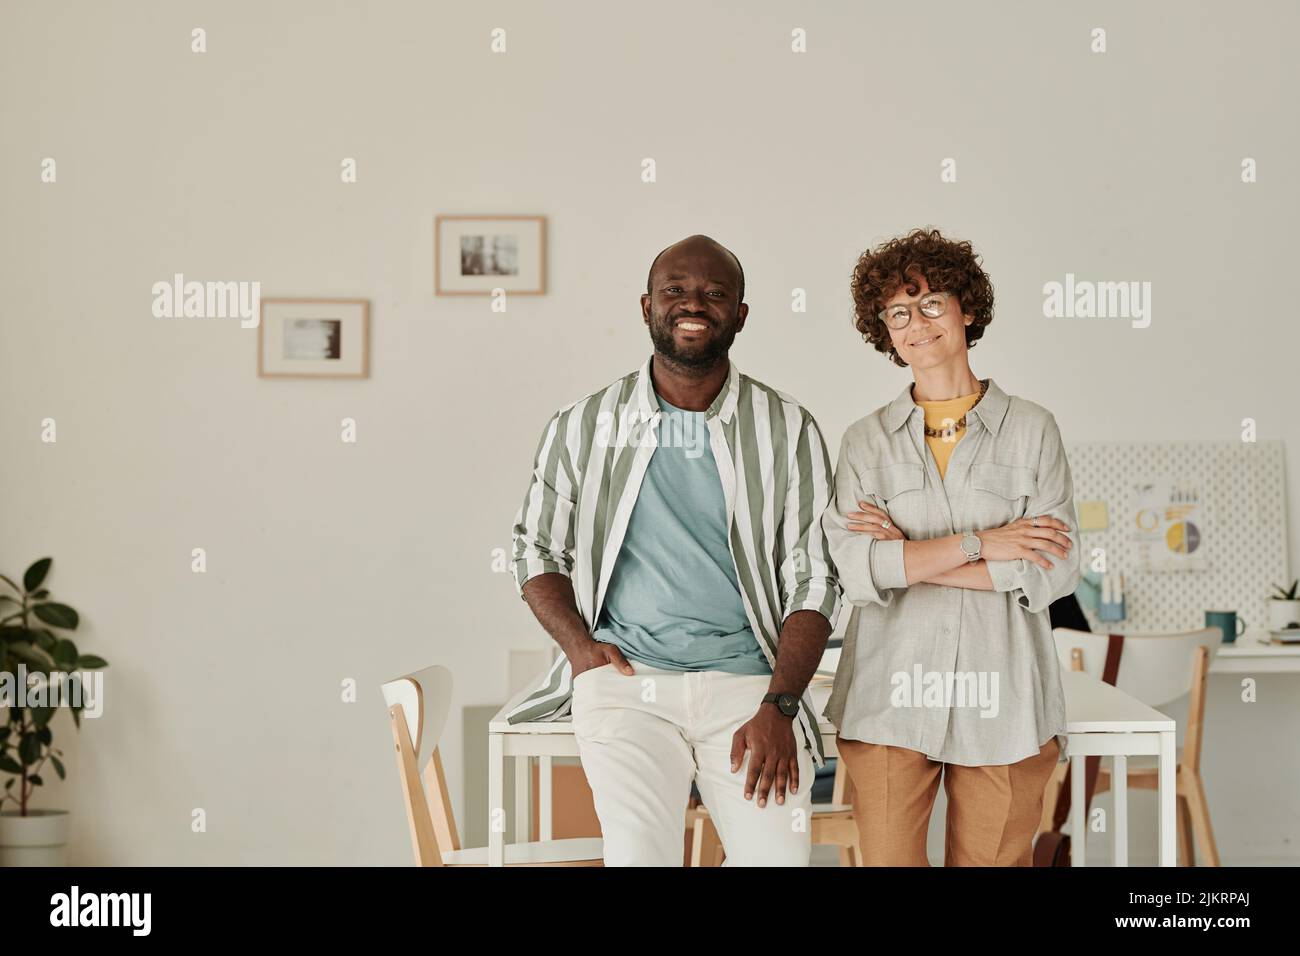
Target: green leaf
{"x": 58, "y": 768}
{"x": 15, "y": 632}
{"x": 42, "y": 715}
{"x": 29, "y": 751}
{"x": 90, "y": 661}
{"x": 31, "y": 655}
{"x": 41, "y": 594}
{"x": 45, "y": 639}
{"x": 57, "y": 615}
{"x": 64, "y": 654}
{"x": 34, "y": 575}
{"x": 9, "y": 765}
{"x": 35, "y": 780}
{"x": 76, "y": 717}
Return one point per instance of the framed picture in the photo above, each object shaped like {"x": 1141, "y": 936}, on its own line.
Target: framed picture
{"x": 314, "y": 338}
{"x": 472, "y": 255}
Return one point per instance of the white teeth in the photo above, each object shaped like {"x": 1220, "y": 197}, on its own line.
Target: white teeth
{"x": 691, "y": 326}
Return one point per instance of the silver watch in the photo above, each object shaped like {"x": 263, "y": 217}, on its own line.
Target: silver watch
{"x": 970, "y": 546}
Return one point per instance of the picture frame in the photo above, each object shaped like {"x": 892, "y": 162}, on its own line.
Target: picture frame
{"x": 473, "y": 255}
{"x": 314, "y": 338}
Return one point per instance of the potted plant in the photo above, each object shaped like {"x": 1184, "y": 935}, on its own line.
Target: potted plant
{"x": 1283, "y": 608}
{"x": 30, "y": 649}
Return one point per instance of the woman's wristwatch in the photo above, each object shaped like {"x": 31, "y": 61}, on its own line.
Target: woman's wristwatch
{"x": 970, "y": 546}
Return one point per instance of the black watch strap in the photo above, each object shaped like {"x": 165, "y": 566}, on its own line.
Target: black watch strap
{"x": 788, "y": 704}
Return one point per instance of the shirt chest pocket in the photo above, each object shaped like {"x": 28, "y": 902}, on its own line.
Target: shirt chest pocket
{"x": 900, "y": 490}
{"x": 999, "y": 494}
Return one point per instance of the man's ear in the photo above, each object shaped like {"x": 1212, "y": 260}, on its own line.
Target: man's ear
{"x": 742, "y": 313}
{"x": 645, "y": 308}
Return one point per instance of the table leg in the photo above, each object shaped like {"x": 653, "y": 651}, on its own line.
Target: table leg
{"x": 544, "y": 798}
{"x": 523, "y": 790}
{"x": 496, "y": 802}
{"x": 1168, "y": 798}
{"x": 1078, "y": 814}
{"x": 1119, "y": 815}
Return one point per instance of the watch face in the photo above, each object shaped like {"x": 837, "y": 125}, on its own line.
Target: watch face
{"x": 789, "y": 704}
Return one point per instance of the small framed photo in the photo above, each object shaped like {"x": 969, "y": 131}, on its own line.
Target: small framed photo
{"x": 314, "y": 338}
{"x": 472, "y": 255}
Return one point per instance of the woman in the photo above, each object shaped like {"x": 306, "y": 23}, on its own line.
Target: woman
{"x": 953, "y": 528}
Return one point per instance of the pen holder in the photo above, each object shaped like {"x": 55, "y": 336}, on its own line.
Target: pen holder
{"x": 1110, "y": 610}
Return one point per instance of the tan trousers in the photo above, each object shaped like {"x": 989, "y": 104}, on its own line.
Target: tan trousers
{"x": 993, "y": 812}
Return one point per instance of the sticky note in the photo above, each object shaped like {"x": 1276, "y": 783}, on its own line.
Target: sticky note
{"x": 1093, "y": 516}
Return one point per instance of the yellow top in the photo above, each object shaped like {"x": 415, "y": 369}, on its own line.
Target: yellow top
{"x": 939, "y": 414}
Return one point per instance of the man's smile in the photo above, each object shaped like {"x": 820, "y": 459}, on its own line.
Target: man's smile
{"x": 691, "y": 325}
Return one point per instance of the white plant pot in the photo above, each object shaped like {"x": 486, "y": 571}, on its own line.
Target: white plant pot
{"x": 38, "y": 839}
{"x": 1282, "y": 613}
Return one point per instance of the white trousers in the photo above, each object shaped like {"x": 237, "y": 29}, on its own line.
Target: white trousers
{"x": 644, "y": 738}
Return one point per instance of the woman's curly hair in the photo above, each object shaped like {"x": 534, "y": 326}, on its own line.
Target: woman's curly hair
{"x": 947, "y": 265}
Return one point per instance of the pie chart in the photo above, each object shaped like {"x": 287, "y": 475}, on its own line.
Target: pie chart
{"x": 1183, "y": 537}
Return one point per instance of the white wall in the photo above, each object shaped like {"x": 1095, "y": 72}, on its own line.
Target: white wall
{"x": 329, "y": 561}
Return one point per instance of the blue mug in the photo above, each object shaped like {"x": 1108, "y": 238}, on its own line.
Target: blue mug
{"x": 1227, "y": 622}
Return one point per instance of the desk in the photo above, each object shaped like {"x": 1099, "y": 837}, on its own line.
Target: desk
{"x": 1099, "y": 720}
{"x": 1102, "y": 720}
{"x": 1252, "y": 654}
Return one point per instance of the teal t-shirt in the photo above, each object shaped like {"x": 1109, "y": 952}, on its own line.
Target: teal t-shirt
{"x": 673, "y": 600}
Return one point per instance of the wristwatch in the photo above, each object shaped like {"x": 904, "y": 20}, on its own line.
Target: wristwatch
{"x": 787, "y": 703}
{"x": 970, "y": 546}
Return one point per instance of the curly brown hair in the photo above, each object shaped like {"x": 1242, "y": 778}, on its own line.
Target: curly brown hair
{"x": 947, "y": 266}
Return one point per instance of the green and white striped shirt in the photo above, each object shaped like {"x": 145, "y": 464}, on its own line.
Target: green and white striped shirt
{"x": 776, "y": 478}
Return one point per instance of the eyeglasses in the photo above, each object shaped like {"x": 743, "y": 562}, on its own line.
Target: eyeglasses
{"x": 932, "y": 305}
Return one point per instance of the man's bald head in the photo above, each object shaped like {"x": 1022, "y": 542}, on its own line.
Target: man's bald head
{"x": 694, "y": 243}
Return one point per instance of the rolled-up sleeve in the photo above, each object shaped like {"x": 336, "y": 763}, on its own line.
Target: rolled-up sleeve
{"x": 543, "y": 530}
{"x": 808, "y": 579}
{"x": 1032, "y": 586}
{"x": 868, "y": 569}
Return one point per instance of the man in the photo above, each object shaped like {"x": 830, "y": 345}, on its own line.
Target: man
{"x": 670, "y": 542}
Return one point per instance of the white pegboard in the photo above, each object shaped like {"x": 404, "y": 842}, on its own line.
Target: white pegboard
{"x": 1245, "y": 528}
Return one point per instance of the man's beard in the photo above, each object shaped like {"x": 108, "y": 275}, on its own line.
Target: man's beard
{"x": 694, "y": 359}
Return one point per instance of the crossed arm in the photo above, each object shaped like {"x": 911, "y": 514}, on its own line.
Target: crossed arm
{"x": 1034, "y": 558}
{"x": 939, "y": 561}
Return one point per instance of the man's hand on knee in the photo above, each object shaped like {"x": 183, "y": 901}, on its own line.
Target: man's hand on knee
{"x": 773, "y": 754}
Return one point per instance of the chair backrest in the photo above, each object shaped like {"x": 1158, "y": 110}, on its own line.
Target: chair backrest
{"x": 418, "y": 705}
{"x": 1157, "y": 669}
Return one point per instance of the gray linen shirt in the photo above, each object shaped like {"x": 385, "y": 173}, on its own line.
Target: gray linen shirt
{"x": 964, "y": 676}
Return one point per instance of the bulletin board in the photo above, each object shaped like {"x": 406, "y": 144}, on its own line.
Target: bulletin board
{"x": 1241, "y": 523}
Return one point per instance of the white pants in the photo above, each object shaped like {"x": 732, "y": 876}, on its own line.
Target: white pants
{"x": 644, "y": 738}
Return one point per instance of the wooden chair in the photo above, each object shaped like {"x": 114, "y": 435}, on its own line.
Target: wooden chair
{"x": 1157, "y": 669}
{"x": 417, "y": 710}
{"x": 831, "y": 825}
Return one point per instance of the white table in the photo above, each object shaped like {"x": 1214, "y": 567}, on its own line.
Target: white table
{"x": 1252, "y": 654}
{"x": 1102, "y": 720}
{"x": 1099, "y": 720}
